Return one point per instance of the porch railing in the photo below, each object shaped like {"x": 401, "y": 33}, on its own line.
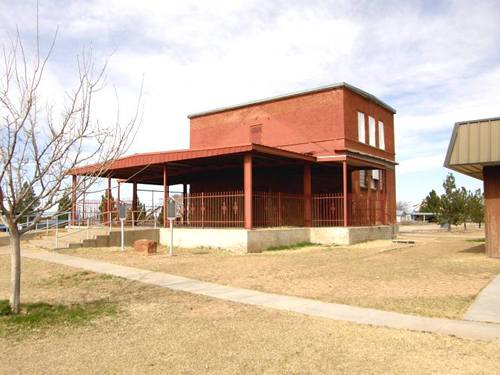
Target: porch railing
{"x": 328, "y": 210}
{"x": 278, "y": 209}
{"x": 222, "y": 209}
{"x": 226, "y": 209}
{"x": 367, "y": 211}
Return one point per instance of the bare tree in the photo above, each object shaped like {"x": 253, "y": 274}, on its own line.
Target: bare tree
{"x": 39, "y": 147}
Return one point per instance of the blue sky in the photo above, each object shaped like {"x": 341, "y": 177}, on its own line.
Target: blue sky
{"x": 436, "y": 62}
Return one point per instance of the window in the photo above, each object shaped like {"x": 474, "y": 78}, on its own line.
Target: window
{"x": 375, "y": 179}
{"x": 372, "y": 134}
{"x": 381, "y": 136}
{"x": 362, "y": 178}
{"x": 361, "y": 127}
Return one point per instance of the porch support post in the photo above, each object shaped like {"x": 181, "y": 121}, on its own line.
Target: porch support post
{"x": 247, "y": 190}
{"x": 344, "y": 190}
{"x": 184, "y": 203}
{"x": 307, "y": 195}
{"x": 118, "y": 196}
{"x": 109, "y": 208}
{"x": 73, "y": 200}
{"x": 165, "y": 196}
{"x": 134, "y": 200}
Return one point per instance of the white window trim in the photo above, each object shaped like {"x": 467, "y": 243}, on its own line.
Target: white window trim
{"x": 372, "y": 132}
{"x": 362, "y": 178}
{"x": 381, "y": 135}
{"x": 361, "y": 127}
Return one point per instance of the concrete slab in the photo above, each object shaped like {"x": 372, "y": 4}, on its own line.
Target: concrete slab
{"x": 486, "y": 307}
{"x": 360, "y": 315}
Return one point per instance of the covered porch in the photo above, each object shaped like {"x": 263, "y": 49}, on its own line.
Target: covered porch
{"x": 249, "y": 186}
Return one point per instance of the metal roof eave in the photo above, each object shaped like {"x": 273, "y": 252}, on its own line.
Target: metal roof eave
{"x": 355, "y": 89}
{"x": 156, "y": 158}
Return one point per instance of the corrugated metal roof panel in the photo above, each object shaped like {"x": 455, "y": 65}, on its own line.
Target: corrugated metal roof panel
{"x": 180, "y": 155}
{"x": 474, "y": 144}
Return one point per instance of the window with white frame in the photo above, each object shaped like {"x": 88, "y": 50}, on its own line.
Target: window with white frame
{"x": 371, "y": 132}
{"x": 375, "y": 179}
{"x": 362, "y": 178}
{"x": 361, "y": 127}
{"x": 381, "y": 135}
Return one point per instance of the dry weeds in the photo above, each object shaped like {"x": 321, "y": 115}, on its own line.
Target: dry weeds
{"x": 439, "y": 276}
{"x": 160, "y": 331}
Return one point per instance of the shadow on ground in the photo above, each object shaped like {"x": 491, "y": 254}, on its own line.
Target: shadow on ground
{"x": 479, "y": 249}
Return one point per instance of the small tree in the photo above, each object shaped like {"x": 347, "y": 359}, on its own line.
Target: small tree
{"x": 29, "y": 203}
{"x": 452, "y": 204}
{"x": 475, "y": 207}
{"x": 431, "y": 203}
{"x": 38, "y": 148}
{"x": 103, "y": 206}
{"x": 64, "y": 206}
{"x": 462, "y": 204}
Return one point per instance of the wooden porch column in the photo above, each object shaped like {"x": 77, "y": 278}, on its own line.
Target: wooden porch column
{"x": 247, "y": 190}
{"x": 108, "y": 203}
{"x": 165, "y": 196}
{"x": 307, "y": 196}
{"x": 73, "y": 200}
{"x": 344, "y": 191}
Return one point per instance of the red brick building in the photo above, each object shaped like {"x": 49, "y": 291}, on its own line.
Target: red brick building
{"x": 322, "y": 158}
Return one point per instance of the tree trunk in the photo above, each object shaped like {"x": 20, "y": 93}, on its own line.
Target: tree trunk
{"x": 465, "y": 225}
{"x": 15, "y": 272}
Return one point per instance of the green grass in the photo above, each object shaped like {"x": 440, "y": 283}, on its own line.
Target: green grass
{"x": 292, "y": 247}
{"x": 43, "y": 315}
{"x": 476, "y": 240}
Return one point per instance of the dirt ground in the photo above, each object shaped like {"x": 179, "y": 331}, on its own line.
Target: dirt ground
{"x": 438, "y": 276}
{"x": 160, "y": 331}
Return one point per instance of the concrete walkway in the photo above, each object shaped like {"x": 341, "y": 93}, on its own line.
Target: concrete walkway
{"x": 486, "y": 307}
{"x": 461, "y": 328}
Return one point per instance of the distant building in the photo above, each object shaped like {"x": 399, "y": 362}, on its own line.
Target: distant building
{"x": 474, "y": 150}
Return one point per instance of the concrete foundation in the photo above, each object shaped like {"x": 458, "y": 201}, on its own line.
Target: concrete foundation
{"x": 257, "y": 240}
{"x": 113, "y": 239}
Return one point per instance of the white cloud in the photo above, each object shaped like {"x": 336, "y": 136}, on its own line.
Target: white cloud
{"x": 437, "y": 63}
{"x": 421, "y": 163}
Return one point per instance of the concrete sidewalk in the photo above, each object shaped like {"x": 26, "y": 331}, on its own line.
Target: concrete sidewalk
{"x": 461, "y": 328}
{"x": 486, "y": 307}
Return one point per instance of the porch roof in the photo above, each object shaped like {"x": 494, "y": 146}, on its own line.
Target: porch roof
{"x": 148, "y": 167}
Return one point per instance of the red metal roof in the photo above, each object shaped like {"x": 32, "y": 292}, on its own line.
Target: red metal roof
{"x": 163, "y": 157}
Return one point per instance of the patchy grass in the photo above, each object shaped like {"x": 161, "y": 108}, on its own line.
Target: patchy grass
{"x": 438, "y": 276}
{"x": 476, "y": 240}
{"x": 4, "y": 307}
{"x": 41, "y": 315}
{"x": 160, "y": 331}
{"x": 298, "y": 245}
